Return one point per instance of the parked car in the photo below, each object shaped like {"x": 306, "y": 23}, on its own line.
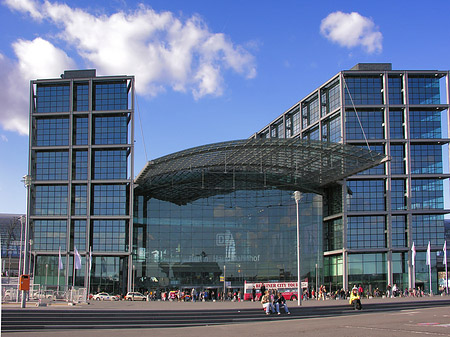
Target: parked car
{"x": 104, "y": 297}
{"x": 44, "y": 294}
{"x": 135, "y": 296}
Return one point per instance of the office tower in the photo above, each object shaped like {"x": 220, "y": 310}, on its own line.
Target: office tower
{"x": 371, "y": 222}
{"x": 81, "y": 168}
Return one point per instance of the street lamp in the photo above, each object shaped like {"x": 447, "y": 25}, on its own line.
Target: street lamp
{"x": 297, "y": 197}
{"x": 27, "y": 179}
{"x": 134, "y": 268}
{"x": 46, "y": 273}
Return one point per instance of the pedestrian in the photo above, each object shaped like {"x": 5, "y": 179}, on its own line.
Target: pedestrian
{"x": 253, "y": 294}
{"x": 355, "y": 299}
{"x": 281, "y": 302}
{"x": 262, "y": 290}
{"x": 267, "y": 305}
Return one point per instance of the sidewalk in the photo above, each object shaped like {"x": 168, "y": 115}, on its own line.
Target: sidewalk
{"x": 227, "y": 305}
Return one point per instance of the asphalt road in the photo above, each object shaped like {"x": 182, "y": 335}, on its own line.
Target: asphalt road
{"x": 380, "y": 317}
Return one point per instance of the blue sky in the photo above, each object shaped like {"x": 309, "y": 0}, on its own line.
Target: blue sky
{"x": 206, "y": 71}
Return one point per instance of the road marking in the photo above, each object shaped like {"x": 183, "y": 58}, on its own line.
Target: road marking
{"x": 396, "y": 330}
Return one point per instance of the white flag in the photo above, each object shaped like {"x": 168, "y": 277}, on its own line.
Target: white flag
{"x": 413, "y": 249}
{"x": 429, "y": 254}
{"x": 60, "y": 263}
{"x": 77, "y": 259}
{"x": 445, "y": 252}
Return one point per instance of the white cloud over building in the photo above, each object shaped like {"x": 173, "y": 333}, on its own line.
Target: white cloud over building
{"x": 161, "y": 50}
{"x": 351, "y": 30}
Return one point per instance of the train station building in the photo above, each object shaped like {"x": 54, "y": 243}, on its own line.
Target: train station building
{"x": 368, "y": 150}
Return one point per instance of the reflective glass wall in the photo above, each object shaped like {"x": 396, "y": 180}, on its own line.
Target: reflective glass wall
{"x": 243, "y": 236}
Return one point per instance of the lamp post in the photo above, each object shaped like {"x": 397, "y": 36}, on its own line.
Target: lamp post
{"x": 46, "y": 274}
{"x": 27, "y": 182}
{"x": 134, "y": 268}
{"x": 297, "y": 197}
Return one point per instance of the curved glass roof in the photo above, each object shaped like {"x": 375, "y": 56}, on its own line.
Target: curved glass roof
{"x": 252, "y": 164}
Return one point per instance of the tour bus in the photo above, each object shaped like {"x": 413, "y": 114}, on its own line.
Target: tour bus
{"x": 287, "y": 289}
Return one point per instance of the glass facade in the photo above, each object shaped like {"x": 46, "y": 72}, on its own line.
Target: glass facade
{"x": 374, "y": 218}
{"x": 83, "y": 189}
{"x": 76, "y": 198}
{"x": 251, "y": 233}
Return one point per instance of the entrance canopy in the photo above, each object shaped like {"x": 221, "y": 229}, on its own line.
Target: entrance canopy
{"x": 252, "y": 164}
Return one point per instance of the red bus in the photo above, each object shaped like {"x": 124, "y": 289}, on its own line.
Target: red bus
{"x": 287, "y": 289}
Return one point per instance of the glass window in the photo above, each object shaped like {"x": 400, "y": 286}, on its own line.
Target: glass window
{"x": 396, "y": 124}
{"x": 296, "y": 121}
{"x": 425, "y": 124}
{"x": 334, "y": 97}
{"x": 333, "y": 235}
{"x": 79, "y": 199}
{"x": 53, "y": 98}
{"x": 110, "y": 96}
{"x": 426, "y": 159}
{"x": 372, "y": 122}
{"x": 331, "y": 130}
{"x": 397, "y": 161}
{"x": 81, "y": 131}
{"x": 363, "y": 90}
{"x": 109, "y": 130}
{"x": 110, "y": 164}
{"x": 427, "y": 194}
{"x": 51, "y": 165}
{"x": 81, "y": 97}
{"x": 428, "y": 228}
{"x": 109, "y": 235}
{"x": 314, "y": 111}
{"x": 366, "y": 195}
{"x": 399, "y": 231}
{"x": 377, "y": 170}
{"x": 423, "y": 90}
{"x": 51, "y": 132}
{"x": 398, "y": 190}
{"x": 366, "y": 232}
{"x": 80, "y": 165}
{"x": 78, "y": 235}
{"x": 49, "y": 234}
{"x": 50, "y": 200}
{"x": 395, "y": 90}
{"x": 110, "y": 200}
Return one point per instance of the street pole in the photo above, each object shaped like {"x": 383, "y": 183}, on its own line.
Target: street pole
{"x": 298, "y": 196}
{"x": 46, "y": 274}
{"x": 20, "y": 257}
{"x": 224, "y": 282}
{"x": 27, "y": 182}
{"x": 134, "y": 268}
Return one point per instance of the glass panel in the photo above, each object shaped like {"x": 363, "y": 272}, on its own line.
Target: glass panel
{"x": 363, "y": 90}
{"x": 366, "y": 232}
{"x": 51, "y": 165}
{"x": 49, "y": 235}
{"x": 424, "y": 90}
{"x": 52, "y": 98}
{"x": 110, "y": 96}
{"x": 51, "y": 132}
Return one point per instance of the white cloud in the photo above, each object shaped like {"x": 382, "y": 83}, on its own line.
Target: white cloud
{"x": 35, "y": 59}
{"x": 29, "y": 6}
{"x": 160, "y": 49}
{"x": 351, "y": 30}
{"x": 3, "y": 138}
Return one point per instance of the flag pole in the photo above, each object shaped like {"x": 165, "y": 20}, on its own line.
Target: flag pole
{"x": 59, "y": 264}
{"x": 446, "y": 271}
{"x": 429, "y": 265}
